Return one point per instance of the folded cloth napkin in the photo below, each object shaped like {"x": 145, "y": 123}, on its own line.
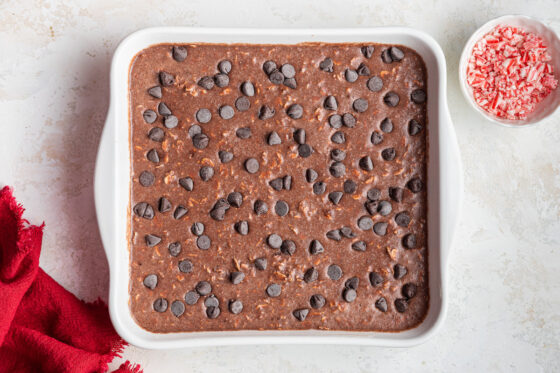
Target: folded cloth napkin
{"x": 43, "y": 327}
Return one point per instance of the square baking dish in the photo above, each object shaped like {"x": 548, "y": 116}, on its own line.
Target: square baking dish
{"x": 112, "y": 185}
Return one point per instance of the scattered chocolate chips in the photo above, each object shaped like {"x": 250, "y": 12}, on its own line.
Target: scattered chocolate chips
{"x": 224, "y": 66}
{"x": 273, "y": 138}
{"x": 367, "y": 50}
{"x": 338, "y": 138}
{"x": 185, "y": 266}
{"x": 266, "y": 112}
{"x": 288, "y": 70}
{"x": 191, "y": 297}
{"x": 155, "y": 92}
{"x": 409, "y": 241}
{"x": 248, "y": 89}
{"x": 200, "y": 141}
{"x": 260, "y": 207}
{"x": 334, "y": 235}
{"x": 153, "y": 156}
{"x": 288, "y": 247}
{"x": 186, "y": 183}
{"x": 197, "y": 228}
{"x": 206, "y": 173}
{"x": 194, "y": 130}
{"x": 396, "y": 194}
{"x": 166, "y": 79}
{"x": 386, "y": 125}
{"x": 365, "y": 223}
{"x": 281, "y": 208}
{"x": 363, "y": 70}
{"x": 160, "y": 305}
{"x": 350, "y": 75}
{"x": 311, "y": 275}
{"x": 179, "y": 53}
{"x": 350, "y": 186}
{"x": 414, "y": 127}
{"x": 301, "y": 313}
{"x": 391, "y": 99}
{"x": 349, "y": 120}
{"x": 146, "y": 179}
{"x": 235, "y": 306}
{"x": 273, "y": 290}
{"x": 396, "y": 53}
{"x": 337, "y": 169}
{"x": 402, "y": 219}
{"x": 156, "y": 134}
{"x": 150, "y": 281}
{"x": 375, "y": 279}
{"x": 319, "y": 188}
{"x": 274, "y": 241}
{"x": 170, "y": 121}
{"x": 384, "y": 208}
{"x": 371, "y": 207}
{"x": 164, "y": 205}
{"x": 295, "y": 111}
{"x": 334, "y": 272}
{"x": 376, "y": 138}
{"x": 380, "y": 228}
{"x": 213, "y": 312}
{"x": 203, "y": 242}
{"x": 179, "y": 212}
{"x": 144, "y": 210}
{"x": 287, "y": 181}
{"x": 226, "y": 112}
{"x": 335, "y": 197}
{"x": 225, "y": 156}
{"x": 242, "y": 227}
{"x": 276, "y": 77}
{"x": 381, "y": 304}
{"x": 243, "y": 133}
{"x": 163, "y": 109}
{"x": 316, "y": 247}
{"x": 242, "y": 103}
{"x": 366, "y": 163}
{"x": 330, "y": 103}
{"x": 399, "y": 271}
{"x": 373, "y": 194}
{"x": 235, "y": 199}
{"x": 352, "y": 283}
{"x": 221, "y": 80}
{"x": 418, "y": 96}
{"x": 408, "y": 290}
{"x": 317, "y": 301}
{"x": 206, "y": 82}
{"x": 360, "y": 105}
{"x": 261, "y": 264}
{"x": 211, "y": 301}
{"x": 335, "y": 121}
{"x": 252, "y": 165}
{"x": 311, "y": 175}
{"x": 203, "y": 288}
{"x": 326, "y": 65}
{"x": 290, "y": 83}
{"x": 174, "y": 248}
{"x": 401, "y": 305}
{"x": 269, "y": 67}
{"x": 388, "y": 154}
{"x": 347, "y": 232}
{"x": 415, "y": 185}
{"x": 374, "y": 84}
{"x": 349, "y": 295}
{"x": 305, "y": 150}
{"x": 203, "y": 115}
{"x": 359, "y": 246}
{"x": 299, "y": 136}
{"x": 150, "y": 116}
{"x": 277, "y": 184}
{"x": 236, "y": 277}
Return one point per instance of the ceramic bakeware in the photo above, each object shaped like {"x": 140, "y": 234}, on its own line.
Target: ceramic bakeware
{"x": 112, "y": 185}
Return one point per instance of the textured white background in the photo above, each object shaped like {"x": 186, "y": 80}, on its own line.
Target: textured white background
{"x": 504, "y": 313}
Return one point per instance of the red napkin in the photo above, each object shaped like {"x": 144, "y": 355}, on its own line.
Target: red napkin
{"x": 43, "y": 327}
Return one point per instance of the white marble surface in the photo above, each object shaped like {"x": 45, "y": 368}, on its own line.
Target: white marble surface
{"x": 504, "y": 271}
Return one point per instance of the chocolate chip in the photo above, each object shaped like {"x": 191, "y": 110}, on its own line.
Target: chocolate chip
{"x": 221, "y": 80}
{"x": 367, "y": 50}
{"x": 375, "y": 279}
{"x": 146, "y": 178}
{"x": 164, "y": 205}
{"x": 225, "y": 156}
{"x": 386, "y": 125}
{"x": 211, "y": 301}
{"x": 388, "y": 154}
{"x": 185, "y": 266}
{"x": 242, "y": 227}
{"x": 203, "y": 242}
{"x": 274, "y": 241}
{"x": 248, "y": 89}
{"x": 281, "y": 208}
{"x": 200, "y": 141}
{"x": 391, "y": 99}
{"x": 191, "y": 297}
{"x": 276, "y": 77}
{"x": 316, "y": 247}
{"x": 174, "y": 248}
{"x": 338, "y": 138}
{"x": 380, "y": 228}
{"x": 352, "y": 283}
{"x": 414, "y": 127}
{"x": 260, "y": 207}
{"x": 252, "y": 165}
{"x": 273, "y": 138}
{"x": 242, "y": 103}
{"x": 402, "y": 219}
{"x": 349, "y": 295}
{"x": 290, "y": 83}
{"x": 360, "y": 105}
{"x": 418, "y": 96}
{"x": 187, "y": 183}
{"x": 305, "y": 150}
{"x": 235, "y": 306}
{"x": 337, "y": 169}
{"x": 409, "y": 241}
{"x": 226, "y": 112}
{"x": 396, "y": 54}
{"x": 350, "y": 186}
{"x": 373, "y": 194}
{"x": 269, "y": 67}
{"x": 224, "y": 66}
{"x": 236, "y": 277}
{"x": 371, "y": 207}
{"x": 156, "y": 134}
{"x": 203, "y": 288}
{"x": 384, "y": 208}
{"x": 399, "y": 271}
{"x": 144, "y": 210}
{"x": 334, "y": 235}
{"x": 160, "y": 305}
{"x": 335, "y": 121}
{"x": 366, "y": 163}
{"x": 386, "y": 56}
{"x": 179, "y": 53}
{"x": 319, "y": 187}
{"x": 365, "y": 223}
{"x": 197, "y": 228}
{"x": 288, "y": 247}
{"x": 235, "y": 199}
{"x": 155, "y": 92}
{"x": 359, "y": 246}
{"x": 273, "y": 290}
{"x": 299, "y": 136}
{"x": 288, "y": 70}
{"x": 166, "y": 79}
{"x": 335, "y": 197}
{"x": 363, "y": 70}
{"x": 179, "y": 212}
{"x": 218, "y": 213}
{"x": 326, "y": 65}
{"x": 415, "y": 185}
{"x": 163, "y": 109}
{"x": 334, "y": 272}
{"x": 374, "y": 84}
{"x": 295, "y": 111}
{"x": 206, "y": 173}
{"x": 376, "y": 138}
{"x": 150, "y": 281}
{"x": 311, "y": 175}
{"x": 153, "y": 156}
{"x": 310, "y": 275}
{"x": 203, "y": 115}
{"x": 287, "y": 181}
{"x": 317, "y": 301}
{"x": 301, "y": 313}
{"x": 206, "y": 82}
{"x": 170, "y": 121}
{"x": 350, "y": 75}
{"x": 261, "y": 264}
{"x": 243, "y": 132}
{"x": 408, "y": 290}
{"x": 401, "y": 305}
{"x": 330, "y": 103}
{"x": 150, "y": 116}
{"x": 347, "y": 232}
{"x": 381, "y": 304}
{"x": 266, "y": 112}
{"x": 213, "y": 312}
{"x": 396, "y": 194}
{"x": 276, "y": 184}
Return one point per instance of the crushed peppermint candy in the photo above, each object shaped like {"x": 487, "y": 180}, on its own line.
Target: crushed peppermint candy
{"x": 509, "y": 73}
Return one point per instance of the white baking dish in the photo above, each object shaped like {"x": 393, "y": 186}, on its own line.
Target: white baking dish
{"x": 112, "y": 178}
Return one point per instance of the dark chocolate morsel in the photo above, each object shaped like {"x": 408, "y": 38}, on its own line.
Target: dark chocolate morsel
{"x": 160, "y": 305}
{"x": 187, "y": 183}
{"x": 359, "y": 246}
{"x": 179, "y": 53}
{"x": 415, "y": 185}
{"x": 381, "y": 304}
{"x": 334, "y": 272}
{"x": 310, "y": 275}
{"x": 409, "y": 241}
{"x": 315, "y": 247}
{"x": 408, "y": 290}
{"x": 301, "y": 313}
{"x": 402, "y": 219}
{"x": 418, "y": 96}
{"x": 150, "y": 281}
{"x": 399, "y": 271}
{"x": 375, "y": 279}
{"x": 401, "y": 305}
{"x": 152, "y": 240}
{"x": 317, "y": 301}
{"x": 349, "y": 295}
{"x": 273, "y": 290}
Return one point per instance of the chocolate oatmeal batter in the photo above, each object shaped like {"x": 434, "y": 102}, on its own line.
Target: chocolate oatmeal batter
{"x": 278, "y": 187}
